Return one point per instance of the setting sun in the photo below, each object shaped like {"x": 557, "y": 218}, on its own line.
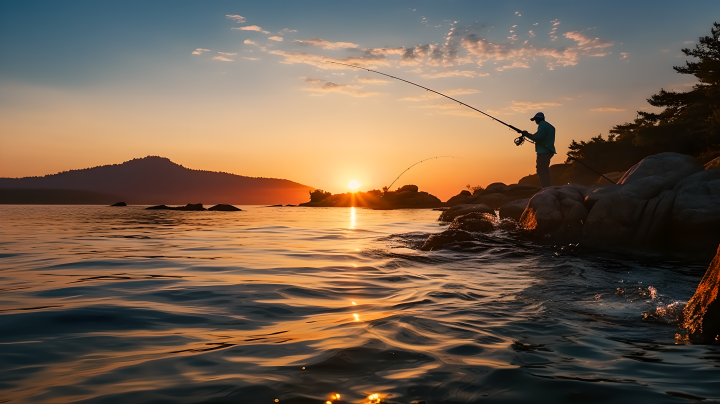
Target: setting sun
{"x": 353, "y": 184}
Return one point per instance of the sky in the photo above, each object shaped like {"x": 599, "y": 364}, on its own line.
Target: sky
{"x": 245, "y": 87}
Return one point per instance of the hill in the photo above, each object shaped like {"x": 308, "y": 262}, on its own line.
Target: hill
{"x": 149, "y": 181}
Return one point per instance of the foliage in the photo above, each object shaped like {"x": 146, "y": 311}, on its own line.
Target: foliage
{"x": 319, "y": 195}
{"x": 689, "y": 123}
{"x": 472, "y": 189}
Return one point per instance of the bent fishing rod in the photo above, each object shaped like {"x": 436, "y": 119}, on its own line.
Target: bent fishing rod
{"x": 398, "y": 177}
{"x": 518, "y": 141}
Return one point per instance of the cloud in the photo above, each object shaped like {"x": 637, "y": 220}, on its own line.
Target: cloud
{"x": 227, "y": 53}
{"x": 689, "y": 42}
{"x": 311, "y": 81}
{"x": 199, "y": 51}
{"x": 286, "y": 31}
{"x": 237, "y": 18}
{"x": 223, "y": 58}
{"x": 524, "y": 106}
{"x": 331, "y": 87}
{"x": 320, "y": 61}
{"x": 624, "y": 55}
{"x": 252, "y": 28}
{"x": 454, "y": 73}
{"x": 249, "y": 42}
{"x": 276, "y": 38}
{"x": 429, "y": 95}
{"x": 321, "y": 43}
{"x": 250, "y": 58}
{"x": 607, "y": 109}
{"x": 371, "y": 80}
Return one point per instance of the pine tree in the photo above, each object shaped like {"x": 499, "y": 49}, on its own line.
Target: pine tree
{"x": 689, "y": 124}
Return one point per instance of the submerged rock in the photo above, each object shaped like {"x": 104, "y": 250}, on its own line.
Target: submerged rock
{"x": 438, "y": 241}
{"x": 459, "y": 210}
{"x": 119, "y": 204}
{"x": 188, "y": 207}
{"x": 224, "y": 208}
{"x": 702, "y": 312}
{"x": 475, "y": 221}
{"x": 557, "y": 212}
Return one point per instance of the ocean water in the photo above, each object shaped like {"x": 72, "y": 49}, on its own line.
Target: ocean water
{"x": 309, "y": 305}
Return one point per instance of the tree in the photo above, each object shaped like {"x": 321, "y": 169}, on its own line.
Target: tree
{"x": 689, "y": 124}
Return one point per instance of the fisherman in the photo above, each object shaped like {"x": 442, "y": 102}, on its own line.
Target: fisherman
{"x": 544, "y": 140}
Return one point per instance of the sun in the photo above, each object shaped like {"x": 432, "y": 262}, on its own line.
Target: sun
{"x": 353, "y": 185}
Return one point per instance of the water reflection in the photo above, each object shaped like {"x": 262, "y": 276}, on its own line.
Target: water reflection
{"x": 353, "y": 217}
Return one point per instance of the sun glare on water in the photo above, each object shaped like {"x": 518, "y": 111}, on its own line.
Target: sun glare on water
{"x": 353, "y": 184}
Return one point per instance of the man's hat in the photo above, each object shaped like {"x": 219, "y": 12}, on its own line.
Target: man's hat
{"x": 538, "y": 115}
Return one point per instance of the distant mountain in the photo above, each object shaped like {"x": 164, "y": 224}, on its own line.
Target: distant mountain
{"x": 150, "y": 180}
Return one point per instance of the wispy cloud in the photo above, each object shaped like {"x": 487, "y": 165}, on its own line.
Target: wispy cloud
{"x": 454, "y": 73}
{"x": 524, "y": 106}
{"x": 321, "y": 61}
{"x": 323, "y": 86}
{"x": 223, "y": 58}
{"x": 227, "y": 53}
{"x": 688, "y": 42}
{"x": 371, "y": 80}
{"x": 252, "y": 28}
{"x": 249, "y": 42}
{"x": 286, "y": 31}
{"x": 199, "y": 51}
{"x": 321, "y": 43}
{"x": 237, "y": 18}
{"x": 276, "y": 38}
{"x": 430, "y": 96}
{"x": 624, "y": 55}
{"x": 250, "y": 58}
{"x": 607, "y": 109}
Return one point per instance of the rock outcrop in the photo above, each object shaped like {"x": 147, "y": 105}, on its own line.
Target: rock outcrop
{"x": 695, "y": 217}
{"x": 440, "y": 240}
{"x": 406, "y": 197}
{"x": 224, "y": 208}
{"x": 495, "y": 195}
{"x": 637, "y": 212}
{"x": 556, "y": 212}
{"x": 514, "y": 209}
{"x": 119, "y": 204}
{"x": 188, "y": 207}
{"x": 474, "y": 222}
{"x": 702, "y": 312}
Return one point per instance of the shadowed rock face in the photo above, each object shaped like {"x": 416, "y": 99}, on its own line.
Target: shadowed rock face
{"x": 495, "y": 195}
{"x": 438, "y": 241}
{"x": 696, "y": 211}
{"x": 702, "y": 312}
{"x": 475, "y": 221}
{"x": 459, "y": 210}
{"x": 514, "y": 209}
{"x": 557, "y": 212}
{"x": 119, "y": 204}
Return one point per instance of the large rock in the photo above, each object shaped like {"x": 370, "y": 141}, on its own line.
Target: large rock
{"x": 702, "y": 312}
{"x": 514, "y": 209}
{"x": 696, "y": 212}
{"x": 119, "y": 204}
{"x": 188, "y": 207}
{"x": 475, "y": 222}
{"x": 440, "y": 240}
{"x": 221, "y": 207}
{"x": 459, "y": 198}
{"x": 557, "y": 212}
{"x": 613, "y": 177}
{"x": 557, "y": 176}
{"x": 495, "y": 195}
{"x": 595, "y": 193}
{"x": 459, "y": 210}
{"x": 638, "y": 211}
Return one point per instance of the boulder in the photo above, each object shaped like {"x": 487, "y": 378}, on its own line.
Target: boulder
{"x": 557, "y": 212}
{"x": 597, "y": 192}
{"x": 408, "y": 188}
{"x": 459, "y": 198}
{"x": 615, "y": 177}
{"x": 119, "y": 204}
{"x": 224, "y": 208}
{"x": 702, "y": 312}
{"x": 557, "y": 173}
{"x": 459, "y": 210}
{"x": 474, "y": 222}
{"x": 514, "y": 209}
{"x": 696, "y": 212}
{"x": 495, "y": 187}
{"x": 159, "y": 207}
{"x": 438, "y": 241}
{"x": 637, "y": 211}
{"x": 492, "y": 200}
{"x": 188, "y": 207}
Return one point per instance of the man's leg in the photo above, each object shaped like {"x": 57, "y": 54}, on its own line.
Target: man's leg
{"x": 543, "y": 169}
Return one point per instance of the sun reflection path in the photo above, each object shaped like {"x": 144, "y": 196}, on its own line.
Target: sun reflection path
{"x": 353, "y": 217}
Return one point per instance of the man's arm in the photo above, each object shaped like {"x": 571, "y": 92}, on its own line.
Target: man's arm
{"x": 539, "y": 135}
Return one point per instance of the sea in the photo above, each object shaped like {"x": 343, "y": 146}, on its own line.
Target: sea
{"x": 302, "y": 305}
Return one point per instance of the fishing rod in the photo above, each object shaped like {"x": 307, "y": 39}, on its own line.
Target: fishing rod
{"x": 398, "y": 177}
{"x": 518, "y": 141}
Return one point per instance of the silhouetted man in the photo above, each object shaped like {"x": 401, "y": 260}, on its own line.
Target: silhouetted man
{"x": 544, "y": 140}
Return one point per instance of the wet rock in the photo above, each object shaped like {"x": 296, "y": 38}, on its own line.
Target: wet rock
{"x": 637, "y": 212}
{"x": 615, "y": 177}
{"x": 440, "y": 240}
{"x": 475, "y": 222}
{"x": 119, "y": 204}
{"x": 224, "y": 208}
{"x": 514, "y": 209}
{"x": 702, "y": 312}
{"x": 696, "y": 211}
{"x": 557, "y": 212}
{"x": 593, "y": 194}
{"x": 459, "y": 210}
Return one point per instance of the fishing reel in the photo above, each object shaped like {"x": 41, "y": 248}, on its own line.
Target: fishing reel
{"x": 519, "y": 140}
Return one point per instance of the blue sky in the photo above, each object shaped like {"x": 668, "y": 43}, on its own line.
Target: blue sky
{"x": 87, "y": 83}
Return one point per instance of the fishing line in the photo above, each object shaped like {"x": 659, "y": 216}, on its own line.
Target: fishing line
{"x": 518, "y": 141}
{"x": 398, "y": 177}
